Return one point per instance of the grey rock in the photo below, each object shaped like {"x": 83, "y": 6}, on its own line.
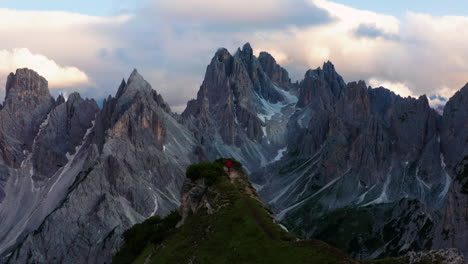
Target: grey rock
{"x": 275, "y": 72}
{"x": 444, "y": 256}
{"x": 61, "y": 134}
{"x": 27, "y": 103}
{"x": 329, "y": 158}
{"x": 132, "y": 167}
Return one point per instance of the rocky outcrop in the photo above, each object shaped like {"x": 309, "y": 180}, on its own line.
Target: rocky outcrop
{"x": 27, "y": 103}
{"x": 454, "y": 128}
{"x": 193, "y": 198}
{"x": 329, "y": 158}
{"x": 350, "y": 147}
{"x": 444, "y": 256}
{"x": 197, "y": 195}
{"x": 61, "y": 134}
{"x": 275, "y": 72}
{"x": 133, "y": 164}
{"x": 239, "y": 109}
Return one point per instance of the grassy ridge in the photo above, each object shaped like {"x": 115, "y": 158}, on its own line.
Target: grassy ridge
{"x": 239, "y": 231}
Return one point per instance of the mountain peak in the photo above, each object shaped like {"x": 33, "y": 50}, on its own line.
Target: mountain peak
{"x": 246, "y": 53}
{"x": 60, "y": 99}
{"x": 121, "y": 89}
{"x": 74, "y": 97}
{"x": 134, "y": 76}
{"x": 135, "y": 82}
{"x": 266, "y": 56}
{"x": 27, "y": 103}
{"x": 275, "y": 72}
{"x": 26, "y": 80}
{"x": 222, "y": 54}
{"x": 328, "y": 65}
{"x": 247, "y": 47}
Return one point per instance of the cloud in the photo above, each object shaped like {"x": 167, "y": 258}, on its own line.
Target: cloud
{"x": 420, "y": 54}
{"x": 46, "y": 41}
{"x": 407, "y": 55}
{"x": 57, "y": 76}
{"x": 397, "y": 87}
{"x": 371, "y": 31}
{"x": 176, "y": 90}
{"x": 12, "y": 20}
{"x": 171, "y": 42}
{"x": 242, "y": 12}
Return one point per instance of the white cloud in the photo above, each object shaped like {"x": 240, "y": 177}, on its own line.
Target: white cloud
{"x": 174, "y": 41}
{"x": 397, "y": 87}
{"x": 176, "y": 89}
{"x": 237, "y": 11}
{"x": 11, "y": 20}
{"x": 57, "y": 76}
{"x": 420, "y": 54}
{"x": 350, "y": 18}
{"x": 63, "y": 47}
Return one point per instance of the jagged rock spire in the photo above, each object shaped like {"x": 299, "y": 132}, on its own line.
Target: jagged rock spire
{"x": 27, "y": 103}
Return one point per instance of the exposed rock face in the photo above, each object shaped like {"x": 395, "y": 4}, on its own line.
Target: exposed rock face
{"x": 362, "y": 168}
{"x": 61, "y": 133}
{"x": 130, "y": 166}
{"x": 445, "y": 256}
{"x": 454, "y": 145}
{"x": 193, "y": 198}
{"x": 454, "y": 132}
{"x": 32, "y": 185}
{"x": 275, "y": 72}
{"x": 196, "y": 195}
{"x": 362, "y": 151}
{"x": 239, "y": 109}
{"x": 27, "y": 103}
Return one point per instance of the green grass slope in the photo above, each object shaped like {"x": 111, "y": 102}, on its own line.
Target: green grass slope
{"x": 240, "y": 230}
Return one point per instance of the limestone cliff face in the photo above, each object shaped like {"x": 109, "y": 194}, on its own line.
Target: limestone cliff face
{"x": 241, "y": 106}
{"x": 325, "y": 155}
{"x": 351, "y": 146}
{"x": 27, "y": 103}
{"x": 61, "y": 133}
{"x": 454, "y": 145}
{"x": 130, "y": 166}
{"x": 197, "y": 195}
{"x": 275, "y": 72}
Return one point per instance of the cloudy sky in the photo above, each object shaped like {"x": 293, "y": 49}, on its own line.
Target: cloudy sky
{"x": 411, "y": 47}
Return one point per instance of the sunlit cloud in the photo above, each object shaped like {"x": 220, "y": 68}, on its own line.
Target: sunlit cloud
{"x": 241, "y": 12}
{"x": 11, "y": 20}
{"x": 397, "y": 87}
{"x": 57, "y": 76}
{"x": 171, "y": 42}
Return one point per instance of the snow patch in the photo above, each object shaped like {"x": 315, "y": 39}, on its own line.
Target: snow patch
{"x": 264, "y": 131}
{"x": 423, "y": 183}
{"x": 281, "y": 214}
{"x": 279, "y": 155}
{"x": 155, "y": 205}
{"x": 383, "y": 198}
{"x": 284, "y": 228}
{"x": 258, "y": 187}
{"x": 270, "y": 109}
{"x": 448, "y": 180}
{"x": 363, "y": 196}
{"x": 290, "y": 98}
{"x": 71, "y": 158}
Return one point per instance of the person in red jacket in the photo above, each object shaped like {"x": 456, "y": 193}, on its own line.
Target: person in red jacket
{"x": 229, "y": 165}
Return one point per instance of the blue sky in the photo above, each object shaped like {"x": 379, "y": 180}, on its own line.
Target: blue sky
{"x": 111, "y": 7}
{"x": 88, "y": 7}
{"x": 92, "y": 45}
{"x": 399, "y": 7}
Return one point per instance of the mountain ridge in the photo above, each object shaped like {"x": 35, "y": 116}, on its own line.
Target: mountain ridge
{"x": 130, "y": 163}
